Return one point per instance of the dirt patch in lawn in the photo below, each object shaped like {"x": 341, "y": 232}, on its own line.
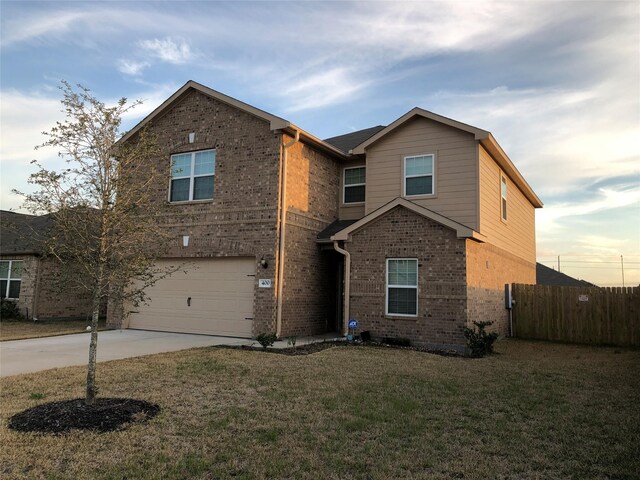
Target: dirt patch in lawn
{"x": 105, "y": 415}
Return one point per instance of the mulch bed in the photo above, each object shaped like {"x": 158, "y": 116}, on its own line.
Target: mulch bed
{"x": 316, "y": 347}
{"x": 105, "y": 415}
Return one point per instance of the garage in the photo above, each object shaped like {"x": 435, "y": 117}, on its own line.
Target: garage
{"x": 213, "y": 297}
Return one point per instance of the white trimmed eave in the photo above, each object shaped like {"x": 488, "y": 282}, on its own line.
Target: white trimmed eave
{"x": 486, "y": 139}
{"x": 492, "y": 146}
{"x": 462, "y": 231}
{"x": 419, "y": 112}
{"x": 306, "y": 137}
{"x": 275, "y": 123}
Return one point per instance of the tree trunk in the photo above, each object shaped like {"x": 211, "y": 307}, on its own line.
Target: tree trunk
{"x": 93, "y": 349}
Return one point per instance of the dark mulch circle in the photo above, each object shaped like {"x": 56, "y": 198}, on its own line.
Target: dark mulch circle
{"x": 319, "y": 346}
{"x": 105, "y": 415}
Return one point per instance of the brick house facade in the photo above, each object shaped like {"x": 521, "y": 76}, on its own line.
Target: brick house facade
{"x": 278, "y": 197}
{"x": 38, "y": 296}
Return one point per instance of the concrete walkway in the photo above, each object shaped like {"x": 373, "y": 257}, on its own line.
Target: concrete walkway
{"x": 33, "y": 355}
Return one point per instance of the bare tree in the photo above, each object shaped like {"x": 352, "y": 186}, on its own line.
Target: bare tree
{"x": 105, "y": 232}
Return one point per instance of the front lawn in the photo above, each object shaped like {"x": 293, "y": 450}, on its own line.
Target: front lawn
{"x": 534, "y": 410}
{"x": 21, "y": 329}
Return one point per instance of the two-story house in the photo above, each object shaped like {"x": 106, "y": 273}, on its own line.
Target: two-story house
{"x": 413, "y": 229}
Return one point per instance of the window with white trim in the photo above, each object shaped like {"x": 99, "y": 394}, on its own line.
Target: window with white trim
{"x": 192, "y": 176}
{"x": 402, "y": 286}
{"x": 10, "y": 278}
{"x": 503, "y": 197}
{"x": 418, "y": 175}
{"x": 354, "y": 184}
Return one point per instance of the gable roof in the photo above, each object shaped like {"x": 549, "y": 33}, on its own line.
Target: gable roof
{"x": 485, "y": 138}
{"x": 21, "y": 233}
{"x": 462, "y": 231}
{"x": 549, "y": 276}
{"x": 275, "y": 123}
{"x": 351, "y": 140}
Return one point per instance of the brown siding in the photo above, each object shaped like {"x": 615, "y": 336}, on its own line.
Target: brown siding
{"x": 312, "y": 182}
{"x": 517, "y": 234}
{"x": 241, "y": 219}
{"x": 442, "y": 300}
{"x": 455, "y": 170}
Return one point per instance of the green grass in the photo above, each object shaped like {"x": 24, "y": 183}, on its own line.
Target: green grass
{"x": 535, "y": 410}
{"x": 22, "y": 329}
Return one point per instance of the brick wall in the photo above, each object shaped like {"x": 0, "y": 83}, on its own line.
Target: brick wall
{"x": 489, "y": 268}
{"x": 442, "y": 297}
{"x": 51, "y": 302}
{"x": 312, "y": 199}
{"x": 41, "y": 295}
{"x": 241, "y": 218}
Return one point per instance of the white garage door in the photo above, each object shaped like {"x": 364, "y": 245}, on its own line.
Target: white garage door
{"x": 214, "y": 297}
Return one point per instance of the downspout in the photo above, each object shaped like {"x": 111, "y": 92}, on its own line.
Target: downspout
{"x": 347, "y": 284}
{"x": 283, "y": 225}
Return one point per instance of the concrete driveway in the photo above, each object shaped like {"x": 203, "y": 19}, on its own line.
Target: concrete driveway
{"x": 34, "y": 355}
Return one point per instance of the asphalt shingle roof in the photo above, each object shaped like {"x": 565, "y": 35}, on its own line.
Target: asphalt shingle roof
{"x": 334, "y": 228}
{"x": 20, "y": 233}
{"x": 351, "y": 140}
{"x": 549, "y": 276}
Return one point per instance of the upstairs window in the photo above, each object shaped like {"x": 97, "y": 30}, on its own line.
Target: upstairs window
{"x": 354, "y": 184}
{"x": 10, "y": 278}
{"x": 418, "y": 175}
{"x": 503, "y": 197}
{"x": 192, "y": 176}
{"x": 402, "y": 286}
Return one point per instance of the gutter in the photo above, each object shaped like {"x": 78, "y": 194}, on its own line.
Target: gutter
{"x": 282, "y": 220}
{"x": 347, "y": 284}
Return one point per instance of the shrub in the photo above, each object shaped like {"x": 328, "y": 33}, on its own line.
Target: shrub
{"x": 479, "y": 341}
{"x": 266, "y": 339}
{"x": 9, "y": 310}
{"x": 397, "y": 341}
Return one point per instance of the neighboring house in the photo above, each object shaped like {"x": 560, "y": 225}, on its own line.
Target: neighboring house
{"x": 549, "y": 276}
{"x": 412, "y": 229}
{"x": 27, "y": 277}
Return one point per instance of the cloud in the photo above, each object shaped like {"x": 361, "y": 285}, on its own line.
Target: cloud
{"x": 24, "y": 116}
{"x": 168, "y": 50}
{"x": 40, "y": 26}
{"x": 548, "y": 218}
{"x": 131, "y": 67}
{"x": 319, "y": 89}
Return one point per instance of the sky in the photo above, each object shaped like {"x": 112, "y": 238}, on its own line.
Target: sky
{"x": 556, "y": 82}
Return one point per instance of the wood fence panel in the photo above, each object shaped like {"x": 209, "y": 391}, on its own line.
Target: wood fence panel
{"x": 591, "y": 315}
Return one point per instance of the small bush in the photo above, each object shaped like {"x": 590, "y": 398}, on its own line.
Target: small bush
{"x": 266, "y": 339}
{"x": 397, "y": 341}
{"x": 9, "y": 310}
{"x": 479, "y": 341}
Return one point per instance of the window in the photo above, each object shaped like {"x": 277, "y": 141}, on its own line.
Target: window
{"x": 418, "y": 175}
{"x": 402, "y": 286}
{"x": 503, "y": 195}
{"x": 10, "y": 278}
{"x": 354, "y": 184}
{"x": 192, "y": 176}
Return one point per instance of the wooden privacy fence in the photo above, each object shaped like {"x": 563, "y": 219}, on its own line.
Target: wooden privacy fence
{"x": 593, "y": 315}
